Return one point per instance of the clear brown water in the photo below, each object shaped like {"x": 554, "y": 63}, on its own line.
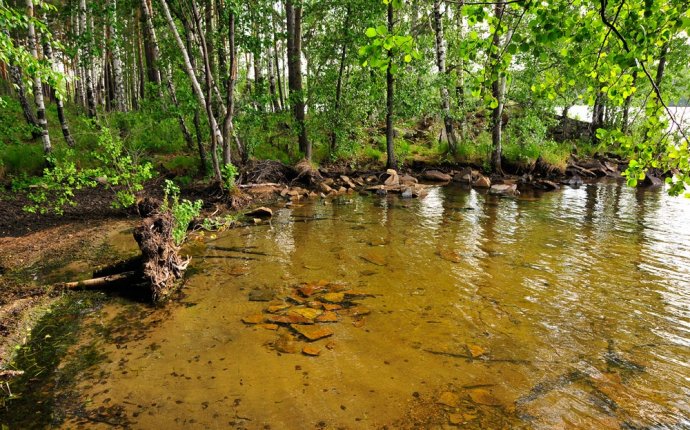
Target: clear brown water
{"x": 575, "y": 305}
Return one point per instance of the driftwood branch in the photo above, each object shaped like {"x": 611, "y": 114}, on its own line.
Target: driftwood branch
{"x": 101, "y": 281}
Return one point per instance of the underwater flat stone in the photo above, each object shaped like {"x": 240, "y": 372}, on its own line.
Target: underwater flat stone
{"x": 311, "y": 351}
{"x": 287, "y": 344}
{"x": 331, "y": 306}
{"x": 253, "y": 319}
{"x": 269, "y": 326}
{"x": 308, "y": 313}
{"x": 356, "y": 311}
{"x": 261, "y": 295}
{"x": 375, "y": 259}
{"x": 328, "y": 316}
{"x": 288, "y": 319}
{"x": 312, "y": 332}
{"x": 448, "y": 398}
{"x": 309, "y": 290}
{"x": 315, "y": 304}
{"x": 277, "y": 308}
{"x": 333, "y": 297}
{"x": 262, "y": 212}
{"x": 484, "y": 397}
{"x": 355, "y": 294}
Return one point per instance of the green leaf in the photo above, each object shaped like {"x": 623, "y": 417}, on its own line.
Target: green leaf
{"x": 408, "y": 58}
{"x": 371, "y": 32}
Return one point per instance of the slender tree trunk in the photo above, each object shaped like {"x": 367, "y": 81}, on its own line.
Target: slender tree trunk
{"x": 16, "y": 76}
{"x": 150, "y": 44}
{"x": 497, "y": 90}
{"x": 294, "y": 36}
{"x": 339, "y": 83}
{"x": 279, "y": 71}
{"x": 216, "y": 135}
{"x": 118, "y": 82}
{"x": 391, "y": 162}
{"x": 210, "y": 31}
{"x": 272, "y": 81}
{"x": 228, "y": 125}
{"x": 203, "y": 158}
{"x": 626, "y": 107}
{"x": 86, "y": 59}
{"x": 441, "y": 63}
{"x": 180, "y": 117}
{"x": 38, "y": 87}
{"x": 48, "y": 54}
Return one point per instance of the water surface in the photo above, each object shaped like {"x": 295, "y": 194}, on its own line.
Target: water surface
{"x": 565, "y": 310}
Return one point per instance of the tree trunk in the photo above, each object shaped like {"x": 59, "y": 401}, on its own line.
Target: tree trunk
{"x": 37, "y": 85}
{"x": 271, "y": 80}
{"x": 150, "y": 44}
{"x": 497, "y": 90}
{"x": 294, "y": 39}
{"x": 180, "y": 117}
{"x": 216, "y": 135}
{"x": 339, "y": 84}
{"x": 279, "y": 71}
{"x": 118, "y": 81}
{"x": 228, "y": 125}
{"x": 87, "y": 58}
{"x": 626, "y": 107}
{"x": 391, "y": 163}
{"x": 441, "y": 63}
{"x": 203, "y": 158}
{"x": 18, "y": 81}
{"x": 48, "y": 53}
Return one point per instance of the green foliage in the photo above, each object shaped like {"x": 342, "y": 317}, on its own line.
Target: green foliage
{"x": 183, "y": 211}
{"x": 229, "y": 173}
{"x": 112, "y": 167}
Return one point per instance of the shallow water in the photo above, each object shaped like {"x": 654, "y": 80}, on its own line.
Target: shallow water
{"x": 565, "y": 310}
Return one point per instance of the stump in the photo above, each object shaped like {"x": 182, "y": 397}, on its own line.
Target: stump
{"x": 161, "y": 264}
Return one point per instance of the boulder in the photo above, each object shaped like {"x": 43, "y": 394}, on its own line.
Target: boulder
{"x": 436, "y": 176}
{"x": 651, "y": 181}
{"x": 325, "y": 188}
{"x": 407, "y": 193}
{"x": 504, "y": 189}
{"x": 262, "y": 212}
{"x": 546, "y": 185}
{"x": 463, "y": 176}
{"x": 482, "y": 182}
{"x": 574, "y": 181}
{"x": 408, "y": 180}
{"x": 393, "y": 178}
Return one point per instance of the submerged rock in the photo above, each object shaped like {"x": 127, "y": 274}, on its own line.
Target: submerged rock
{"x": 312, "y": 332}
{"x": 393, "y": 178}
{"x": 481, "y": 396}
{"x": 504, "y": 189}
{"x": 311, "y": 351}
{"x": 286, "y": 344}
{"x": 261, "y": 295}
{"x": 448, "y": 398}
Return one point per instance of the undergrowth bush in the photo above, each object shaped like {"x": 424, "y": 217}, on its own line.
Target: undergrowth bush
{"x": 183, "y": 211}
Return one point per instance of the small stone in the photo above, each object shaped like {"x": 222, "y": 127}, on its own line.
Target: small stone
{"x": 358, "y": 323}
{"x": 333, "y": 297}
{"x": 356, "y": 311}
{"x": 408, "y": 180}
{"x": 476, "y": 350}
{"x": 374, "y": 259}
{"x": 311, "y": 351}
{"x": 325, "y": 188}
{"x": 269, "y": 326}
{"x": 328, "y": 316}
{"x": 456, "y": 418}
{"x": 315, "y": 305}
{"x": 312, "y": 332}
{"x": 484, "y": 397}
{"x": 330, "y": 346}
{"x": 331, "y": 307}
{"x": 310, "y": 289}
{"x": 449, "y": 399}
{"x": 286, "y": 344}
{"x": 407, "y": 193}
{"x": 261, "y": 295}
{"x": 253, "y": 319}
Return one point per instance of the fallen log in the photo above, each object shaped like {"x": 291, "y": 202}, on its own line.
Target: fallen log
{"x": 101, "y": 281}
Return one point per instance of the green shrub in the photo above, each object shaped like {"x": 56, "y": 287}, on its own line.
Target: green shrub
{"x": 19, "y": 159}
{"x": 183, "y": 211}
